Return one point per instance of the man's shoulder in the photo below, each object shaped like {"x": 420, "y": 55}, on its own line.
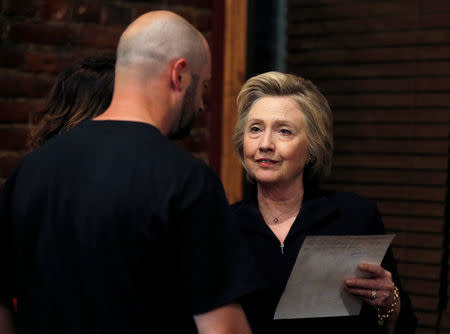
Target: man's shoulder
{"x": 126, "y": 138}
{"x": 116, "y": 147}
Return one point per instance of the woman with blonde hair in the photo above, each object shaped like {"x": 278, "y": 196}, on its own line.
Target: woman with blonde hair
{"x": 284, "y": 139}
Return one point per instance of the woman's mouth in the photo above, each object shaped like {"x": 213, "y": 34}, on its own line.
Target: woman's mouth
{"x": 266, "y": 162}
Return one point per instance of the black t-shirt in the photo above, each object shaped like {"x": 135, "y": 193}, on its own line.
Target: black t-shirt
{"x": 111, "y": 228}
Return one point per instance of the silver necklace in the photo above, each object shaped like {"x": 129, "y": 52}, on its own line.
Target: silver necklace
{"x": 278, "y": 219}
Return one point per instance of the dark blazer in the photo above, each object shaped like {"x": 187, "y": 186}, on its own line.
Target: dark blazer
{"x": 322, "y": 213}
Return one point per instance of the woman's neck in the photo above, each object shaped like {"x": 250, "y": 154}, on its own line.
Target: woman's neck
{"x": 281, "y": 199}
{"x": 279, "y": 206}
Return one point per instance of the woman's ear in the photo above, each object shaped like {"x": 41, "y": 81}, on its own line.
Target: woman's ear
{"x": 310, "y": 159}
{"x": 179, "y": 77}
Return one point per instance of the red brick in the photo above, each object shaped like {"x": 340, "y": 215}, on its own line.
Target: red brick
{"x": 193, "y": 3}
{"x": 426, "y": 318}
{"x": 18, "y": 111}
{"x": 15, "y": 84}
{"x": 140, "y": 8}
{"x": 204, "y": 3}
{"x": 184, "y": 12}
{"x": 113, "y": 14}
{"x": 419, "y": 271}
{"x": 11, "y": 56}
{"x": 48, "y": 61}
{"x": 413, "y": 255}
{"x": 414, "y": 224}
{"x": 445, "y": 322}
{"x": 99, "y": 37}
{"x": 411, "y": 239}
{"x": 421, "y": 330}
{"x": 202, "y": 21}
{"x": 87, "y": 11}
{"x": 3, "y": 26}
{"x": 8, "y": 162}
{"x": 59, "y": 10}
{"x": 421, "y": 287}
{"x": 447, "y": 310}
{"x": 435, "y": 6}
{"x": 13, "y": 138}
{"x": 20, "y": 7}
{"x": 424, "y": 303}
{"x": 40, "y": 33}
{"x": 208, "y": 37}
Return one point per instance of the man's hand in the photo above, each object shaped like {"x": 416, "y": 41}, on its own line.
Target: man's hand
{"x": 6, "y": 321}
{"x": 228, "y": 319}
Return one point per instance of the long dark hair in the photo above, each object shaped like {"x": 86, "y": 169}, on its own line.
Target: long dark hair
{"x": 81, "y": 92}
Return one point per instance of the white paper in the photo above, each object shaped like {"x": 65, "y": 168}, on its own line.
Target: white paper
{"x": 315, "y": 287}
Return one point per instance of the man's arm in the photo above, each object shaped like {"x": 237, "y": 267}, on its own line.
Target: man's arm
{"x": 6, "y": 320}
{"x": 227, "y": 319}
{"x": 7, "y": 325}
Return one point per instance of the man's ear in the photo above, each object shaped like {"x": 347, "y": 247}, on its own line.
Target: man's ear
{"x": 180, "y": 78}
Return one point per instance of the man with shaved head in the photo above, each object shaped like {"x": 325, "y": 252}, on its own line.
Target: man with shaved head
{"x": 158, "y": 51}
{"x": 111, "y": 228}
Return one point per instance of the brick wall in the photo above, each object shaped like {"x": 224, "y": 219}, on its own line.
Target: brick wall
{"x": 39, "y": 38}
{"x": 384, "y": 66}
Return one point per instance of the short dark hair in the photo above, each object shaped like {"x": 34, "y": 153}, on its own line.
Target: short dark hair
{"x": 81, "y": 92}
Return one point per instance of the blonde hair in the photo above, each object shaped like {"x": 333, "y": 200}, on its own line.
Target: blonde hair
{"x": 315, "y": 108}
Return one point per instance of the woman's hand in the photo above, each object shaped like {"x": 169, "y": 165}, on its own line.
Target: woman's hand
{"x": 376, "y": 290}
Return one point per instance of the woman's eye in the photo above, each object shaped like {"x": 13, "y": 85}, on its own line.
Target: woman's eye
{"x": 254, "y": 129}
{"x": 285, "y": 131}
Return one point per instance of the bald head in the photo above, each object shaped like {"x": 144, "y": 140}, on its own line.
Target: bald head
{"x": 156, "y": 38}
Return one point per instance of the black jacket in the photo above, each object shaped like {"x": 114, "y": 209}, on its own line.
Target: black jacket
{"x": 322, "y": 213}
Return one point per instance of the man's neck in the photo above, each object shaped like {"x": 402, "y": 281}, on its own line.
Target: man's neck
{"x": 125, "y": 107}
{"x": 140, "y": 99}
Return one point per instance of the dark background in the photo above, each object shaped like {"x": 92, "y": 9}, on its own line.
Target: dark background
{"x": 383, "y": 65}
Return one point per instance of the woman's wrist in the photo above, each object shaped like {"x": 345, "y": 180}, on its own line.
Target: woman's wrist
{"x": 384, "y": 314}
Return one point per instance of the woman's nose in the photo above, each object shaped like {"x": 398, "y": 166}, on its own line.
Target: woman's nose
{"x": 266, "y": 143}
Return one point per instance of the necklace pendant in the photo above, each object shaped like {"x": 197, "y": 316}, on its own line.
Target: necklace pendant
{"x": 275, "y": 220}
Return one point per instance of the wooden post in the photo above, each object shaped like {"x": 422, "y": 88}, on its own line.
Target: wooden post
{"x": 235, "y": 44}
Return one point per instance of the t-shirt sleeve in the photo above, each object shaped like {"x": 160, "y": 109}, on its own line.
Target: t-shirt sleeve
{"x": 6, "y": 262}
{"x": 215, "y": 264}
